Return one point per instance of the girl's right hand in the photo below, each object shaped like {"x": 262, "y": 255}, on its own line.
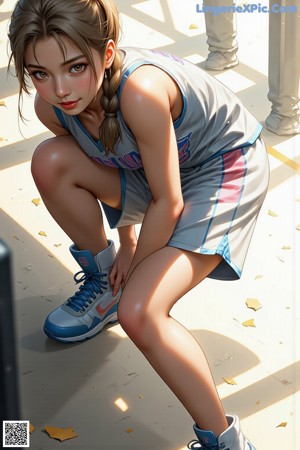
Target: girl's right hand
{"x": 121, "y": 266}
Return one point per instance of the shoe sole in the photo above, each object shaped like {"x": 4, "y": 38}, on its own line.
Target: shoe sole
{"x": 109, "y": 320}
{"x": 283, "y": 132}
{"x": 225, "y": 66}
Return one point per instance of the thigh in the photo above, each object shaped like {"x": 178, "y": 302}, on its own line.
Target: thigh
{"x": 161, "y": 279}
{"x": 62, "y": 159}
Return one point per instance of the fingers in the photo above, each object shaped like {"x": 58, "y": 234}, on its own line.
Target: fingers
{"x": 117, "y": 283}
{"x": 115, "y": 278}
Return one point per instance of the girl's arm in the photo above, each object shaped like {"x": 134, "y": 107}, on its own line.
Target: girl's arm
{"x": 146, "y": 107}
{"x": 125, "y": 254}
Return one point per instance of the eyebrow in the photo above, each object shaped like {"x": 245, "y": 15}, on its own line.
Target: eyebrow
{"x": 65, "y": 63}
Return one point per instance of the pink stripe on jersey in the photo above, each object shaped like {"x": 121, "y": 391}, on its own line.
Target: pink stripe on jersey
{"x": 234, "y": 171}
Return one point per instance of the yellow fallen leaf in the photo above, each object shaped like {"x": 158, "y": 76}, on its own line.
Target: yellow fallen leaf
{"x": 36, "y": 201}
{"x": 249, "y": 323}
{"x": 31, "y": 428}
{"x": 129, "y": 430}
{"x": 253, "y": 303}
{"x": 286, "y": 247}
{"x": 2, "y": 103}
{"x": 272, "y": 213}
{"x": 230, "y": 381}
{"x": 57, "y": 245}
{"x": 62, "y": 434}
{"x": 258, "y": 277}
{"x": 282, "y": 424}
{"x": 42, "y": 233}
{"x": 193, "y": 26}
{"x": 298, "y": 227}
{"x": 298, "y": 199}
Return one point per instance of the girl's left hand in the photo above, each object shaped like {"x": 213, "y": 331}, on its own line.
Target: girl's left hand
{"x": 121, "y": 265}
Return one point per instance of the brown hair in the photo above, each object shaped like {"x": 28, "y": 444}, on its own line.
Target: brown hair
{"x": 89, "y": 24}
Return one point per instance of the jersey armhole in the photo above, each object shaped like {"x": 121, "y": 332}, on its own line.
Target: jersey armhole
{"x": 60, "y": 117}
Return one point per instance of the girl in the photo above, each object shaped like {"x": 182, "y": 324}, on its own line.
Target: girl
{"x": 158, "y": 142}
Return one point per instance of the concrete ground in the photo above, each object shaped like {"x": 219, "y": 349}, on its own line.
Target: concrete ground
{"x": 78, "y": 385}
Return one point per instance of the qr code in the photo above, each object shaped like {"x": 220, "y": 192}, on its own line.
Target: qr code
{"x": 16, "y": 433}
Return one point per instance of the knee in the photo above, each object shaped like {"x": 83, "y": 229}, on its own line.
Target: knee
{"x": 50, "y": 161}
{"x": 136, "y": 323}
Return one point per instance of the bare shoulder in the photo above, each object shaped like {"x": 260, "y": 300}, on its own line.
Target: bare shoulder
{"x": 47, "y": 116}
{"x": 147, "y": 87}
{"x": 147, "y": 80}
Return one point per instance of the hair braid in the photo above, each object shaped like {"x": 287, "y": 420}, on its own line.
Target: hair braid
{"x": 110, "y": 131}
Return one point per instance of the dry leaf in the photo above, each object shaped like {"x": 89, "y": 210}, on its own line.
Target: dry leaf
{"x": 62, "y": 434}
{"x": 298, "y": 227}
{"x": 140, "y": 396}
{"x": 2, "y": 103}
{"x": 258, "y": 277}
{"x": 230, "y": 381}
{"x": 31, "y": 428}
{"x": 193, "y": 26}
{"x": 249, "y": 323}
{"x": 129, "y": 430}
{"x": 253, "y": 303}
{"x": 42, "y": 233}
{"x": 36, "y": 201}
{"x": 272, "y": 213}
{"x": 282, "y": 424}
{"x": 286, "y": 247}
{"x": 57, "y": 245}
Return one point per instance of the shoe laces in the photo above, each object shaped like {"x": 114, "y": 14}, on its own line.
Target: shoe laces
{"x": 92, "y": 284}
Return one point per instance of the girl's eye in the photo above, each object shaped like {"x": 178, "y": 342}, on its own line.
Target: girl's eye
{"x": 78, "y": 68}
{"x": 39, "y": 75}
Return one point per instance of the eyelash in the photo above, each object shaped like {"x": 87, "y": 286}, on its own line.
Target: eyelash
{"x": 82, "y": 65}
{"x": 36, "y": 72}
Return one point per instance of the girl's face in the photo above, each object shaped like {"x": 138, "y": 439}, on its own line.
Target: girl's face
{"x": 67, "y": 82}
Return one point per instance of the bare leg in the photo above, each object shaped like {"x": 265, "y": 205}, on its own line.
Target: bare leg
{"x": 70, "y": 184}
{"x": 153, "y": 288}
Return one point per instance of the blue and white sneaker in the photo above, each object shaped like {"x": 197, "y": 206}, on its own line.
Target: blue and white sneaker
{"x": 93, "y": 306}
{"x": 230, "y": 439}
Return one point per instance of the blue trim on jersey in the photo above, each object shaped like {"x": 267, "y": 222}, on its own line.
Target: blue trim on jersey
{"x": 144, "y": 62}
{"x": 224, "y": 248}
{"x": 60, "y": 116}
{"x": 254, "y": 136}
{"x": 248, "y": 143}
{"x": 97, "y": 143}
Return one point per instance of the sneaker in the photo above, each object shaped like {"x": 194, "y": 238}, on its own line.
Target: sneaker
{"x": 230, "y": 439}
{"x": 221, "y": 61}
{"x": 283, "y": 125}
{"x": 93, "y": 306}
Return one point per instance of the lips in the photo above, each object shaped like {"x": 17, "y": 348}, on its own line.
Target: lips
{"x": 69, "y": 105}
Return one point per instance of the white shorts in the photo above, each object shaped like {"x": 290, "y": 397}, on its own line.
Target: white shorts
{"x": 222, "y": 199}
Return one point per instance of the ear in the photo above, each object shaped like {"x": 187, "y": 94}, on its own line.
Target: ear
{"x": 109, "y": 53}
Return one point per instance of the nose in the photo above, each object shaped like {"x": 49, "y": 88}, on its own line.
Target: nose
{"x": 62, "y": 87}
